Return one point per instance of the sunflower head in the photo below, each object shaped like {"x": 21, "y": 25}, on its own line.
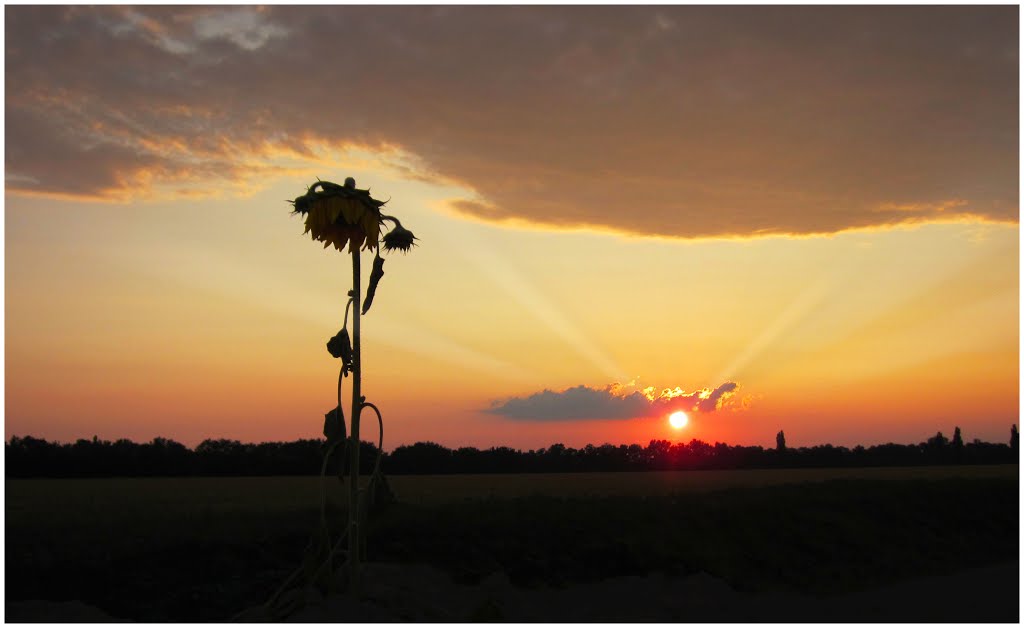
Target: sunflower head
{"x": 340, "y": 215}
{"x": 399, "y": 239}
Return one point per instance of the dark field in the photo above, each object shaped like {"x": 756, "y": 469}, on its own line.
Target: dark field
{"x": 204, "y": 549}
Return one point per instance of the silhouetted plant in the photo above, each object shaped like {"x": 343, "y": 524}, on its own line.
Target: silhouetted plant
{"x": 780, "y": 441}
{"x": 1014, "y": 437}
{"x": 343, "y": 215}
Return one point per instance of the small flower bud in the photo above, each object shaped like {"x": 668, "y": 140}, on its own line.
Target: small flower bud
{"x": 400, "y": 239}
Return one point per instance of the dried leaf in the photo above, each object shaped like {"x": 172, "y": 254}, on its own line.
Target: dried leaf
{"x": 375, "y": 275}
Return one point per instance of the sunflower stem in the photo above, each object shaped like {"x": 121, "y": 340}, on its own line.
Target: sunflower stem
{"x": 357, "y": 405}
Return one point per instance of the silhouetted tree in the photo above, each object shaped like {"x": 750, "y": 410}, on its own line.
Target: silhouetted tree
{"x": 657, "y": 454}
{"x": 420, "y": 458}
{"x": 938, "y": 442}
{"x": 780, "y": 441}
{"x": 1014, "y": 439}
{"x": 958, "y": 441}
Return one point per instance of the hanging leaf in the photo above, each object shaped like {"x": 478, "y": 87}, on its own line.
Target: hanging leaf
{"x": 375, "y": 275}
{"x": 334, "y": 426}
{"x": 340, "y": 346}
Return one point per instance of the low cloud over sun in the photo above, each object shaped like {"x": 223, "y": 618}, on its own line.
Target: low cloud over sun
{"x": 614, "y": 401}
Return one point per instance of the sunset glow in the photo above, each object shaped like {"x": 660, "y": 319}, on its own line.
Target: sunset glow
{"x": 822, "y": 239}
{"x": 678, "y": 420}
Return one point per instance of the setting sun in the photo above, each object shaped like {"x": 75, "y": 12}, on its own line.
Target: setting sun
{"x": 678, "y": 419}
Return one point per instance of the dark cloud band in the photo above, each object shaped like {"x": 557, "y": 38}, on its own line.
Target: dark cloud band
{"x": 680, "y": 121}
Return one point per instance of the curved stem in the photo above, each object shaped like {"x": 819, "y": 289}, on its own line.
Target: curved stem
{"x": 380, "y": 438}
{"x": 344, "y": 321}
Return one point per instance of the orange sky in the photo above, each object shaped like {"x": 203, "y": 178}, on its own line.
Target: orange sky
{"x": 656, "y": 204}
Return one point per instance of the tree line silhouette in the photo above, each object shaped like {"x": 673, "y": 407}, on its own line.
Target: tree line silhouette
{"x": 28, "y": 457}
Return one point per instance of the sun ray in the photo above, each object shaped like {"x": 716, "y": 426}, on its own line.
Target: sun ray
{"x": 515, "y": 283}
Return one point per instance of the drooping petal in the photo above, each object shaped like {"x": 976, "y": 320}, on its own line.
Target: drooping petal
{"x": 371, "y": 226}
{"x": 352, "y": 210}
{"x": 356, "y": 240}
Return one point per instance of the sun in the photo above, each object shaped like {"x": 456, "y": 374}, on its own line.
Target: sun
{"x": 678, "y": 419}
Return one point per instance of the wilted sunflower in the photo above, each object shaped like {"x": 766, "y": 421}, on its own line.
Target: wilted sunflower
{"x": 345, "y": 215}
{"x": 399, "y": 239}
{"x": 340, "y": 214}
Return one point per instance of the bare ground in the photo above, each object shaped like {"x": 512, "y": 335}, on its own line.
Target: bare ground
{"x": 423, "y": 594}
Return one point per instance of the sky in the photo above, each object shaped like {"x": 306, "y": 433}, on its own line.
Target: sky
{"x": 772, "y": 218}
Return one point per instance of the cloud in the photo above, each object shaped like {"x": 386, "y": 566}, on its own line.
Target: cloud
{"x": 614, "y": 401}
{"x": 714, "y": 401}
{"x": 246, "y": 28}
{"x": 678, "y": 121}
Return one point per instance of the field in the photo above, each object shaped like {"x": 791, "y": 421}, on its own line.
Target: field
{"x": 204, "y": 548}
